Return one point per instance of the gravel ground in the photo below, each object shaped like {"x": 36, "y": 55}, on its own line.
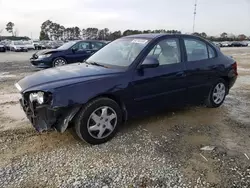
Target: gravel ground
{"x": 162, "y": 150}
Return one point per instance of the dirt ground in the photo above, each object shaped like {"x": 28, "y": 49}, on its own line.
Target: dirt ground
{"x": 163, "y": 150}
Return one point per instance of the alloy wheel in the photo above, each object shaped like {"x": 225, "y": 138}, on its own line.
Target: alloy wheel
{"x": 59, "y": 62}
{"x": 102, "y": 122}
{"x": 219, "y": 93}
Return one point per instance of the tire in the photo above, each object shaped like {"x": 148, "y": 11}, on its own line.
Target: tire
{"x": 84, "y": 121}
{"x": 59, "y": 61}
{"x": 215, "y": 100}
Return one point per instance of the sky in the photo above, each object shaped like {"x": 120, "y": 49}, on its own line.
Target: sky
{"x": 213, "y": 16}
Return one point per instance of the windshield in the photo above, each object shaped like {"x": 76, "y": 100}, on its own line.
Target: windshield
{"x": 18, "y": 43}
{"x": 121, "y": 52}
{"x": 67, "y": 45}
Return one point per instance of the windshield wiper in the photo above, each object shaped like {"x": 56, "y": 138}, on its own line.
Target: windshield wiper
{"x": 94, "y": 63}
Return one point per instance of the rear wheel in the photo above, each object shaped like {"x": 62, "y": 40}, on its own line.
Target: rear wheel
{"x": 59, "y": 62}
{"x": 217, "y": 94}
{"x": 98, "y": 121}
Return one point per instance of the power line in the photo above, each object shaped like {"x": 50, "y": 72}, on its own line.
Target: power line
{"x": 195, "y": 5}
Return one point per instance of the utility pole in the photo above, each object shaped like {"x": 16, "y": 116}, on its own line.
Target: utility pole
{"x": 195, "y": 5}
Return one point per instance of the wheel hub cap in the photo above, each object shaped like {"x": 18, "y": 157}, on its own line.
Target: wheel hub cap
{"x": 219, "y": 93}
{"x": 102, "y": 122}
{"x": 59, "y": 62}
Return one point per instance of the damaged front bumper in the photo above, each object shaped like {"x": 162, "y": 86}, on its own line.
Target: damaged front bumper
{"x": 44, "y": 118}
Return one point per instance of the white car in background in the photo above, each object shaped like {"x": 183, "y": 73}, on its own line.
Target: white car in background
{"x": 29, "y": 44}
{"x": 18, "y": 46}
{"x": 225, "y": 44}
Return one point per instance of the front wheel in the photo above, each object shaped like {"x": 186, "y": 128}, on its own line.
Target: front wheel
{"x": 98, "y": 121}
{"x": 59, "y": 62}
{"x": 217, "y": 94}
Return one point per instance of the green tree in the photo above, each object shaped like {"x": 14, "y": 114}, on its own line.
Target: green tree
{"x": 242, "y": 37}
{"x": 9, "y": 27}
{"x": 115, "y": 35}
{"x": 43, "y": 36}
{"x": 224, "y": 35}
{"x": 77, "y": 32}
{"x": 46, "y": 27}
{"x": 203, "y": 34}
{"x": 92, "y": 33}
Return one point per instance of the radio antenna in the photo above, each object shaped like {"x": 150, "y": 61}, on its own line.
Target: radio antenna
{"x": 195, "y": 5}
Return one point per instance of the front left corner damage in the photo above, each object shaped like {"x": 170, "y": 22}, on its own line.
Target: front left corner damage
{"x": 45, "y": 118}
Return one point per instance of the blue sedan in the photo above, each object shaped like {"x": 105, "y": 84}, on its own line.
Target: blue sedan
{"x": 70, "y": 52}
{"x": 130, "y": 76}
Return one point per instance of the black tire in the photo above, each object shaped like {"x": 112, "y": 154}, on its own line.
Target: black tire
{"x": 82, "y": 118}
{"x": 210, "y": 102}
{"x": 59, "y": 58}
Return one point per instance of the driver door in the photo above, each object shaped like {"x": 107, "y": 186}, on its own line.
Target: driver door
{"x": 79, "y": 52}
{"x": 163, "y": 86}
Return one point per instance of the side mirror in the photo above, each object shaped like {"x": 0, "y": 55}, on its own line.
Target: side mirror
{"x": 73, "y": 50}
{"x": 149, "y": 62}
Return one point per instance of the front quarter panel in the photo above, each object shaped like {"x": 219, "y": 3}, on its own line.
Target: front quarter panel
{"x": 81, "y": 93}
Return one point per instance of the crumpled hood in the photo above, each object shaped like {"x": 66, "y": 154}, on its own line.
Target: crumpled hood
{"x": 42, "y": 52}
{"x": 65, "y": 75}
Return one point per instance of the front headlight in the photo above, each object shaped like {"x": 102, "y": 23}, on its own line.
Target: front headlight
{"x": 44, "y": 56}
{"x": 39, "y": 97}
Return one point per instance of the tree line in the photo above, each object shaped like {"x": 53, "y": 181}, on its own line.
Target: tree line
{"x": 54, "y": 31}
{"x": 223, "y": 37}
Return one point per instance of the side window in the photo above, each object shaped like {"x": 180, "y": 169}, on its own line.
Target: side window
{"x": 167, "y": 51}
{"x": 211, "y": 52}
{"x": 84, "y": 46}
{"x": 97, "y": 45}
{"x": 81, "y": 46}
{"x": 196, "y": 50}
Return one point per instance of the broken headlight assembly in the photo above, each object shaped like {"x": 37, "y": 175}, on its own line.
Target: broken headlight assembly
{"x": 39, "y": 97}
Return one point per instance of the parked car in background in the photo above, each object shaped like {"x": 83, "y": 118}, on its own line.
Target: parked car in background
{"x": 154, "y": 72}
{"x": 70, "y": 52}
{"x": 239, "y": 44}
{"x": 18, "y": 46}
{"x": 218, "y": 44}
{"x": 36, "y": 43}
{"x": 41, "y": 45}
{"x": 29, "y": 44}
{"x": 7, "y": 45}
{"x": 2, "y": 47}
{"x": 54, "y": 44}
{"x": 225, "y": 44}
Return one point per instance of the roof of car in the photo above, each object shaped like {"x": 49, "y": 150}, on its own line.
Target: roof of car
{"x": 90, "y": 40}
{"x": 155, "y": 35}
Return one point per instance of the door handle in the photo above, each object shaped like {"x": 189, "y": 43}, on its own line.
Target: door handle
{"x": 180, "y": 74}
{"x": 88, "y": 51}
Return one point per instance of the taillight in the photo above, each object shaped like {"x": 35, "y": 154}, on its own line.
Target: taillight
{"x": 235, "y": 68}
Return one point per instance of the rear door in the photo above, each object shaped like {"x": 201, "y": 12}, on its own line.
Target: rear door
{"x": 201, "y": 68}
